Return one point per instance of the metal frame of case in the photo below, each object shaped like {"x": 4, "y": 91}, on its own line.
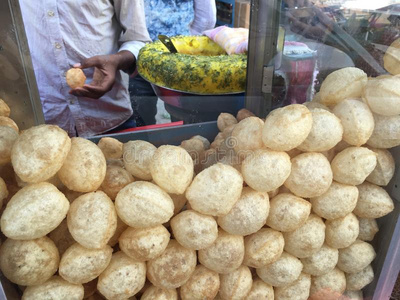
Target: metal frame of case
{"x": 17, "y": 79}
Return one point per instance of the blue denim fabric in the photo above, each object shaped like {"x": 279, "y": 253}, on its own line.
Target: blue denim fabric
{"x": 169, "y": 17}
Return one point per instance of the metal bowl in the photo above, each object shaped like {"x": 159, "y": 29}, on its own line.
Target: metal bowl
{"x": 200, "y": 102}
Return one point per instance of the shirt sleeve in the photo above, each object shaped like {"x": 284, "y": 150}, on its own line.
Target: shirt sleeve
{"x": 130, "y": 14}
{"x": 205, "y": 16}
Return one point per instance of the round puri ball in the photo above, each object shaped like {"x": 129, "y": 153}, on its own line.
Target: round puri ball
{"x": 116, "y": 179}
{"x": 288, "y": 212}
{"x": 155, "y": 293}
{"x": 5, "y": 121}
{"x": 237, "y": 284}
{"x": 353, "y": 165}
{"x": 137, "y": 156}
{"x": 299, "y": 289}
{"x": 195, "y": 148}
{"x": 215, "y": 190}
{"x": 266, "y": 170}
{"x": 263, "y": 247}
{"x": 307, "y": 239}
{"x": 85, "y": 167}
{"x": 54, "y": 288}
{"x": 248, "y": 215}
{"x": 368, "y": 229}
{"x": 193, "y": 230}
{"x": 247, "y": 135}
{"x": 373, "y": 201}
{"x": 326, "y": 132}
{"x": 206, "y": 142}
{"x": 337, "y": 202}
{"x": 224, "y": 120}
{"x": 173, "y": 268}
{"x": 172, "y": 169}
{"x": 321, "y": 262}
{"x": 111, "y": 148}
{"x": 287, "y": 127}
{"x": 342, "y": 84}
{"x": 92, "y": 220}
{"x": 115, "y": 284}
{"x": 386, "y": 132}
{"x": 225, "y": 255}
{"x": 143, "y": 244}
{"x": 356, "y": 257}
{"x": 357, "y": 120}
{"x": 281, "y": 272}
{"x": 61, "y": 237}
{"x": 329, "y": 286}
{"x": 8, "y": 137}
{"x": 142, "y": 204}
{"x": 384, "y": 170}
{"x": 311, "y": 175}
{"x": 391, "y": 58}
{"x": 243, "y": 114}
{"x": 203, "y": 284}
{"x": 260, "y": 290}
{"x": 40, "y": 152}
{"x": 29, "y": 262}
{"x": 342, "y": 232}
{"x": 383, "y": 96}
{"x": 4, "y": 109}
{"x": 359, "y": 280}
{"x": 81, "y": 265}
{"x": 34, "y": 211}
{"x": 75, "y": 78}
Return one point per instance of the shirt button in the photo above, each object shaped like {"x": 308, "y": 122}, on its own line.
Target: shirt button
{"x": 50, "y": 13}
{"x": 57, "y": 45}
{"x": 71, "y": 101}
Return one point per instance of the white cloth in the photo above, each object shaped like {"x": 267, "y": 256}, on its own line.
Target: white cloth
{"x": 61, "y": 33}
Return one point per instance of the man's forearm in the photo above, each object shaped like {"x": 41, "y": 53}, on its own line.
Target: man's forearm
{"x": 126, "y": 61}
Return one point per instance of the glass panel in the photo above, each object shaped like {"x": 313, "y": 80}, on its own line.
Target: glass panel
{"x": 319, "y": 38}
{"x": 17, "y": 80}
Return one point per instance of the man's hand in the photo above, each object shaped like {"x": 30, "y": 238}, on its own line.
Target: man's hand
{"x": 105, "y": 69}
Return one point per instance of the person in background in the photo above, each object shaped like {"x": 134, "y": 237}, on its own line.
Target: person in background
{"x": 104, "y": 37}
{"x": 169, "y": 17}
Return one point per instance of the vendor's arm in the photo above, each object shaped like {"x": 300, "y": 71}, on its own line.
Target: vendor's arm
{"x": 130, "y": 14}
{"x": 205, "y": 16}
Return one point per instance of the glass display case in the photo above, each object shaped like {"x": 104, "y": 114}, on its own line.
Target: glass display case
{"x": 319, "y": 38}
{"x": 293, "y": 46}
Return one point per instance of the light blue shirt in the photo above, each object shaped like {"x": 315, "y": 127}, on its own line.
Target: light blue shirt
{"x": 179, "y": 17}
{"x": 61, "y": 33}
